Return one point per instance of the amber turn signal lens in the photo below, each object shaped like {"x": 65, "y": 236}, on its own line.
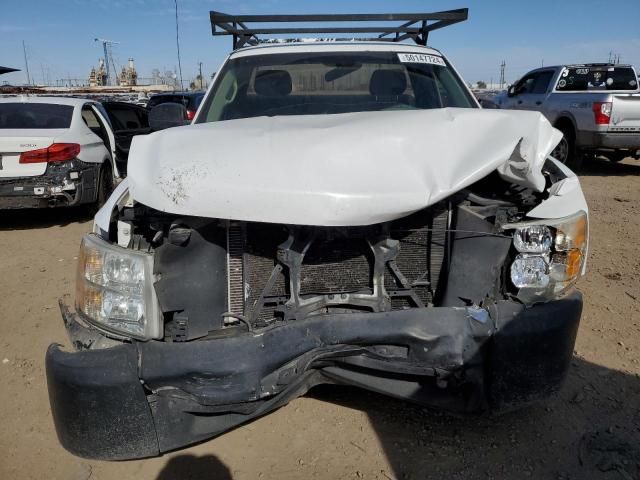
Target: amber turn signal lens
{"x": 573, "y": 262}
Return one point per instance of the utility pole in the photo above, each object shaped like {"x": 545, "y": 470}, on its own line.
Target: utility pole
{"x": 178, "y": 46}
{"x": 26, "y": 63}
{"x": 201, "y": 79}
{"x": 502, "y": 67}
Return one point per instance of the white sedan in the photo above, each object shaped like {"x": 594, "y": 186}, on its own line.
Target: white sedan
{"x": 55, "y": 151}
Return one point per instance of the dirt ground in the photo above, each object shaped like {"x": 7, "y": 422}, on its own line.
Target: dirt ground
{"x": 590, "y": 431}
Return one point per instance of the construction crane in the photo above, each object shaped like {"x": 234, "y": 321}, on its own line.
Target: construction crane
{"x": 106, "y": 46}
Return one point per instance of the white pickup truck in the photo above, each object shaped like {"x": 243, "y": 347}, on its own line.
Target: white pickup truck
{"x": 595, "y": 106}
{"x": 338, "y": 212}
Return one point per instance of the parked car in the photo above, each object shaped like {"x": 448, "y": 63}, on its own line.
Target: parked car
{"x": 190, "y": 100}
{"x": 595, "y": 106}
{"x": 55, "y": 151}
{"x": 337, "y": 212}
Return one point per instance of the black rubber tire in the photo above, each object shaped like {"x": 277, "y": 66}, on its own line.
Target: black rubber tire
{"x": 566, "y": 151}
{"x": 618, "y": 155}
{"x": 105, "y": 185}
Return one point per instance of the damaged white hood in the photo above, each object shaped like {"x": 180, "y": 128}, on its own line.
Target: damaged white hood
{"x": 332, "y": 170}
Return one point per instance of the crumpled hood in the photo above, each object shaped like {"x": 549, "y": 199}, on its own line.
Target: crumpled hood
{"x": 333, "y": 170}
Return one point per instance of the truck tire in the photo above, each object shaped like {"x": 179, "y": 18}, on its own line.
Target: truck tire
{"x": 618, "y": 155}
{"x": 566, "y": 151}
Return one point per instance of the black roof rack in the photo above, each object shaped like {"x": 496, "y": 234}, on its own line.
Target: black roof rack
{"x": 604, "y": 64}
{"x": 415, "y": 26}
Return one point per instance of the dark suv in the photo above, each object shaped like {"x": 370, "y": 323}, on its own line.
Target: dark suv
{"x": 190, "y": 100}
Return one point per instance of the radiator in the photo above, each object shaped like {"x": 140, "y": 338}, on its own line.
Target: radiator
{"x": 336, "y": 261}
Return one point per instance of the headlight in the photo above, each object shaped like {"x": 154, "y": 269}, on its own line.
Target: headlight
{"x": 529, "y": 272}
{"x": 115, "y": 289}
{"x": 533, "y": 239}
{"x": 551, "y": 256}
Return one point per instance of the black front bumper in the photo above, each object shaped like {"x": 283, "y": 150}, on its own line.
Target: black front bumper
{"x": 143, "y": 399}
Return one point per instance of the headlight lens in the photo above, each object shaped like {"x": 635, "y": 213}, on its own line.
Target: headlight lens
{"x": 551, "y": 256}
{"x": 115, "y": 291}
{"x": 533, "y": 239}
{"x": 529, "y": 272}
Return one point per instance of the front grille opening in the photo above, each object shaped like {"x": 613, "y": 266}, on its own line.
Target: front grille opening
{"x": 338, "y": 261}
{"x": 259, "y": 259}
{"x": 337, "y": 265}
{"x": 413, "y": 262}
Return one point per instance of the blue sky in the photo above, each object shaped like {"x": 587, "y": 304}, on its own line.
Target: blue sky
{"x": 59, "y": 34}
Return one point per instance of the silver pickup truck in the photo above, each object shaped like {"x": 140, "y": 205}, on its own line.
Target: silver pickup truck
{"x": 596, "y": 106}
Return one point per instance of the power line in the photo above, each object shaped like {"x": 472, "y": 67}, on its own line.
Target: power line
{"x": 178, "y": 46}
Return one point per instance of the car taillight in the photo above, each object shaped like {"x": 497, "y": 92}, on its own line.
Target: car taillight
{"x": 191, "y": 114}
{"x": 58, "y": 152}
{"x": 602, "y": 112}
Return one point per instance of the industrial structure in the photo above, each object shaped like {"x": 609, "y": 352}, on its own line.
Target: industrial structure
{"x": 128, "y": 76}
{"x": 99, "y": 77}
{"x": 105, "y": 77}
{"x": 108, "y": 59}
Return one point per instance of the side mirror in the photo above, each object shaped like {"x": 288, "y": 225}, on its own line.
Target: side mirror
{"x": 511, "y": 91}
{"x": 167, "y": 115}
{"x": 486, "y": 103}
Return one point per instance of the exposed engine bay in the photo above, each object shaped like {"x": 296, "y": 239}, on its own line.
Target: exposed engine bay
{"x": 216, "y": 277}
{"x": 201, "y": 324}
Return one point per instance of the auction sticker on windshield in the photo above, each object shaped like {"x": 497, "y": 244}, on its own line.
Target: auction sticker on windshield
{"x": 421, "y": 58}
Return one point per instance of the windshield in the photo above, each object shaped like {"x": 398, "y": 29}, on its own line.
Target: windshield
{"x": 35, "y": 115}
{"x": 576, "y": 79}
{"x": 315, "y": 84}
